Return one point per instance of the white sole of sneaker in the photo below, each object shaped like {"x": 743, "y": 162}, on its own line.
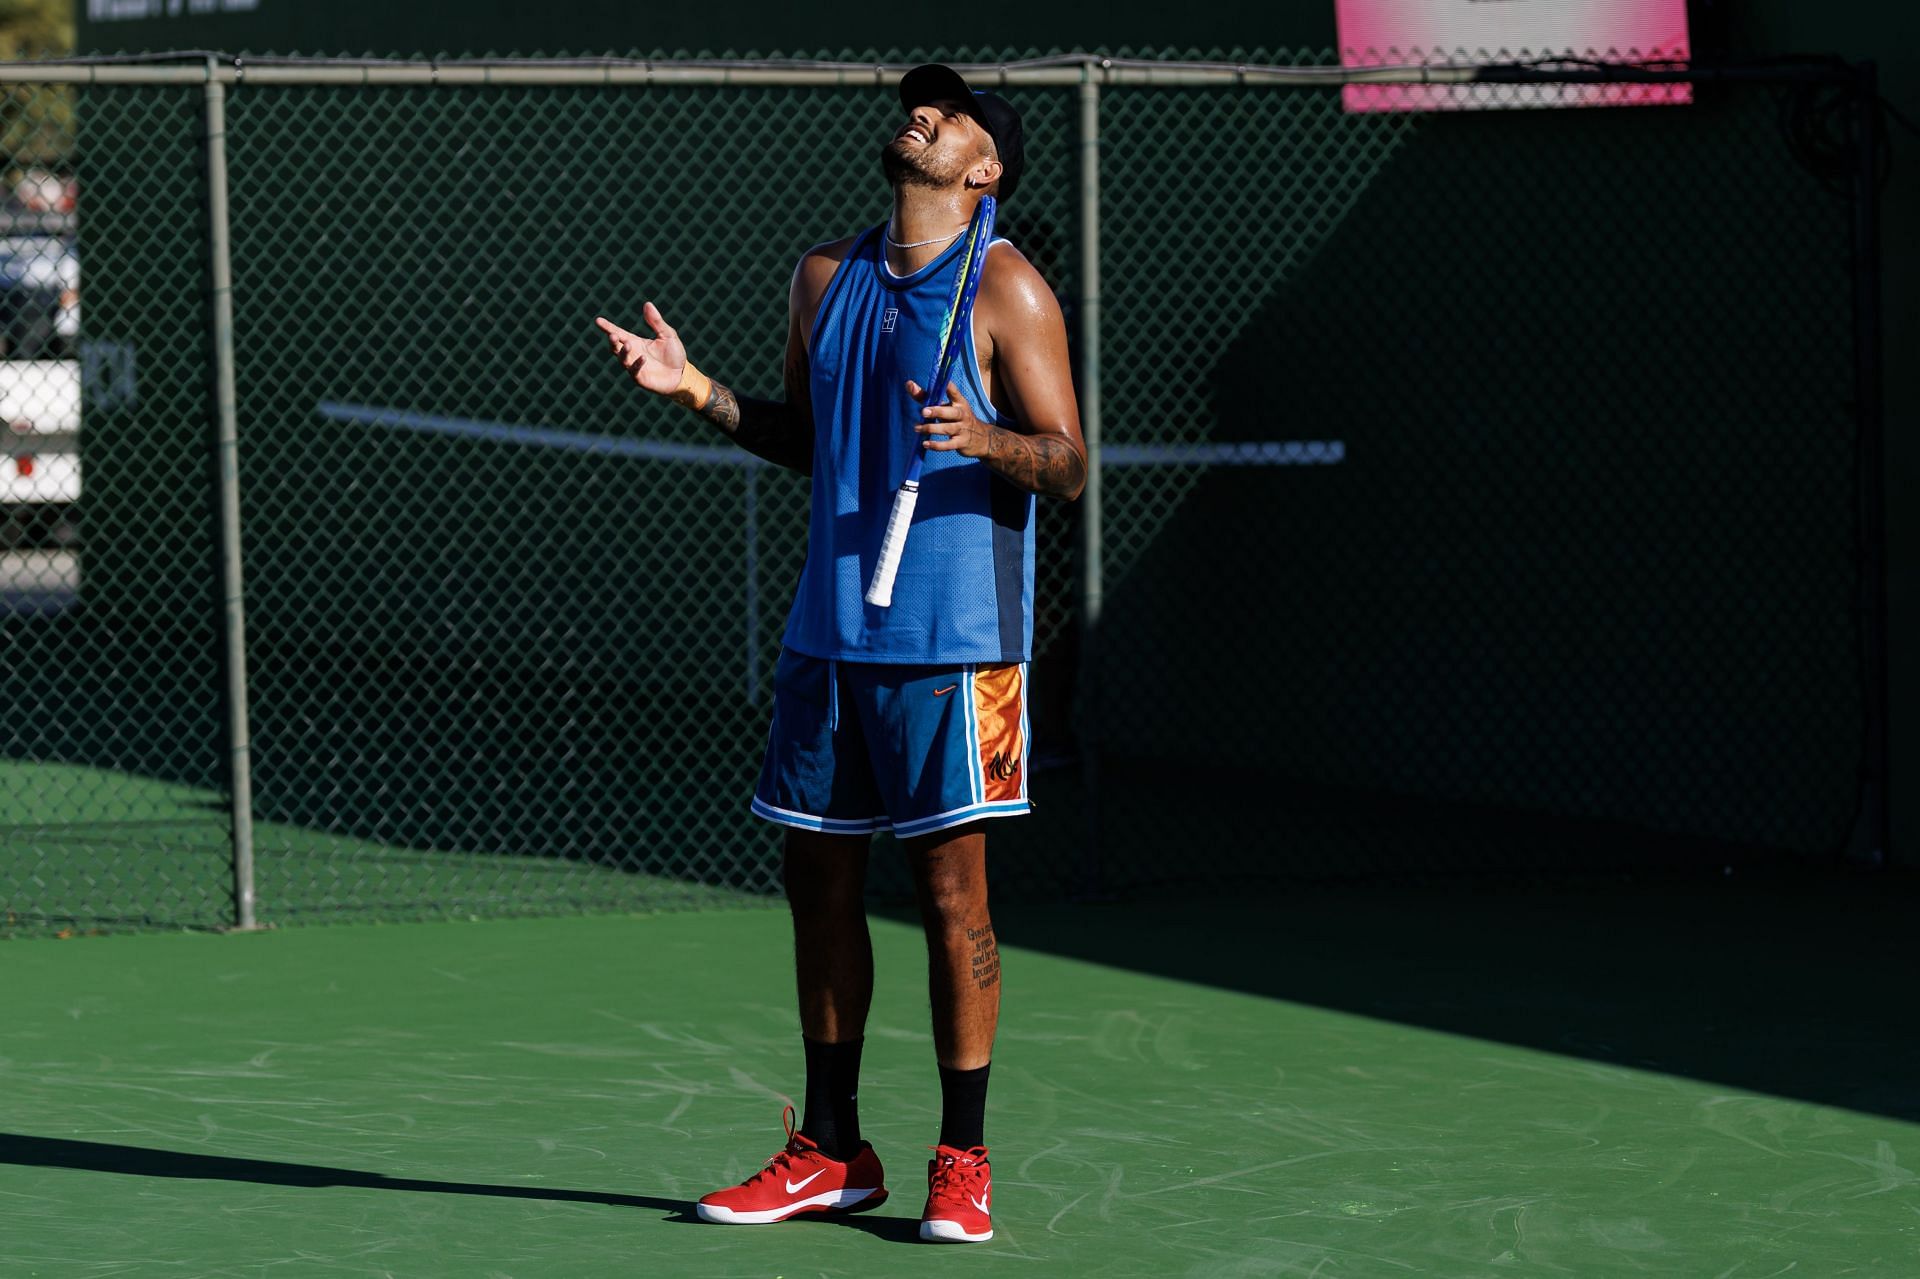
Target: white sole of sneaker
{"x": 950, "y": 1232}
{"x": 767, "y": 1216}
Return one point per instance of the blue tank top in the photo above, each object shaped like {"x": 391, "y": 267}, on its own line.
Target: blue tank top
{"x": 965, "y": 590}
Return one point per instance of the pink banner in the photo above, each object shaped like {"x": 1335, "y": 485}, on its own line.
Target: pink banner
{"x": 1405, "y": 32}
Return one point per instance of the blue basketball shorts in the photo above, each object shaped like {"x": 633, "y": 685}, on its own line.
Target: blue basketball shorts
{"x": 858, "y": 747}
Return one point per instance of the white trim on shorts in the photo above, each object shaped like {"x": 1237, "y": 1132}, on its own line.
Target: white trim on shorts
{"x": 874, "y": 825}
{"x": 1026, "y": 733}
{"x": 973, "y": 737}
{"x": 961, "y": 816}
{"x": 825, "y": 825}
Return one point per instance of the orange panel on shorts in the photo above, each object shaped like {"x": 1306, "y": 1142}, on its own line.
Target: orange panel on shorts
{"x": 999, "y": 708}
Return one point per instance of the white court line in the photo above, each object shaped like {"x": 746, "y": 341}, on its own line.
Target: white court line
{"x": 1248, "y": 453}
{"x": 538, "y": 436}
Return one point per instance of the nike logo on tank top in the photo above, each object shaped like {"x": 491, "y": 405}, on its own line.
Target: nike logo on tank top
{"x": 965, "y": 590}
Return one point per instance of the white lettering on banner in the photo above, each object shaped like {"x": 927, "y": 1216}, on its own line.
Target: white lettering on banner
{"x": 107, "y": 378}
{"x": 142, "y": 10}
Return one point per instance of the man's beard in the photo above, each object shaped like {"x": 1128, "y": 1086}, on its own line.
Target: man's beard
{"x": 904, "y": 167}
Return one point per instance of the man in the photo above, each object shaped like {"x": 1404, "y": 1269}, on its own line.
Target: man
{"x": 912, "y": 717}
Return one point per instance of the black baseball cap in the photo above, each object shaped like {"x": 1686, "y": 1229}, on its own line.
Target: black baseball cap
{"x": 936, "y": 83}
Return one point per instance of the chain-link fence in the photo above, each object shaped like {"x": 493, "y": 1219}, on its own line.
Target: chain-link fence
{"x": 1475, "y": 488}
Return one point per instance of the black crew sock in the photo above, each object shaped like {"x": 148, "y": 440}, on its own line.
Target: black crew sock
{"x": 963, "y": 1107}
{"x": 833, "y": 1079}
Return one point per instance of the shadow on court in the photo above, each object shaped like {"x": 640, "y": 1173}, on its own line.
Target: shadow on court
{"x": 1779, "y": 982}
{"x": 140, "y": 1161}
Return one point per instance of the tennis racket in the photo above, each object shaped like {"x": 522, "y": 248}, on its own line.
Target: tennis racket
{"x": 953, "y": 331}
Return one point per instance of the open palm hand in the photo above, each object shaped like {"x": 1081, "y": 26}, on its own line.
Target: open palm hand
{"x": 655, "y": 363}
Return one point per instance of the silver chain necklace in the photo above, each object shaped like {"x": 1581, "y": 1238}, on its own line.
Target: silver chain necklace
{"x": 918, "y": 244}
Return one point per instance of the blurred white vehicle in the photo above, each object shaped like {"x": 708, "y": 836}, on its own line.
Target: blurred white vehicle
{"x": 40, "y": 468}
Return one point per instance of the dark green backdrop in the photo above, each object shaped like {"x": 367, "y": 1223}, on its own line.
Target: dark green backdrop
{"x": 1578, "y": 591}
{"x": 1887, "y": 33}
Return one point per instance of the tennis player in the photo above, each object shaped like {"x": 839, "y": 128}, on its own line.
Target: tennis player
{"x": 910, "y": 718}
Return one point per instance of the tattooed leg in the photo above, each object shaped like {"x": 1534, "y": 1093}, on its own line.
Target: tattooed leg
{"x": 986, "y": 957}
{"x": 963, "y": 956}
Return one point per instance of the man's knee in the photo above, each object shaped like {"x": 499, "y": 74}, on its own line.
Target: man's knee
{"x": 952, "y": 882}
{"x": 954, "y": 899}
{"x": 825, "y": 874}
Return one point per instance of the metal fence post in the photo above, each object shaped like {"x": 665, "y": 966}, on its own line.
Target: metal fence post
{"x": 233, "y": 621}
{"x": 752, "y": 570}
{"x": 1091, "y": 528}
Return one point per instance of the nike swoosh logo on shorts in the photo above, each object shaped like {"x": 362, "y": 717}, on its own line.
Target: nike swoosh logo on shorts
{"x": 942, "y": 692}
{"x": 795, "y": 1187}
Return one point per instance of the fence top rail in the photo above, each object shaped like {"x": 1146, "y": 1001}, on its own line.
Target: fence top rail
{"x": 200, "y": 66}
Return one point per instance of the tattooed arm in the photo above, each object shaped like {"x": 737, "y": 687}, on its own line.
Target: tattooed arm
{"x": 781, "y": 431}
{"x": 1047, "y": 464}
{"x": 1021, "y": 339}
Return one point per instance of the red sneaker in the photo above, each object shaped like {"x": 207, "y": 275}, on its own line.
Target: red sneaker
{"x": 798, "y": 1179}
{"x": 958, "y": 1185}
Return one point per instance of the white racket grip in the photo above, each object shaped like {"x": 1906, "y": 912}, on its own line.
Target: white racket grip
{"x": 880, "y": 590}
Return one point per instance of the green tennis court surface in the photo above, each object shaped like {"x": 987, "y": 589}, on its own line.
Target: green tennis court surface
{"x": 157, "y": 853}
{"x": 546, "y": 1097}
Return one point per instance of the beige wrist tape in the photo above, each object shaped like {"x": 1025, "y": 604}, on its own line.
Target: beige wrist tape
{"x": 695, "y": 388}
